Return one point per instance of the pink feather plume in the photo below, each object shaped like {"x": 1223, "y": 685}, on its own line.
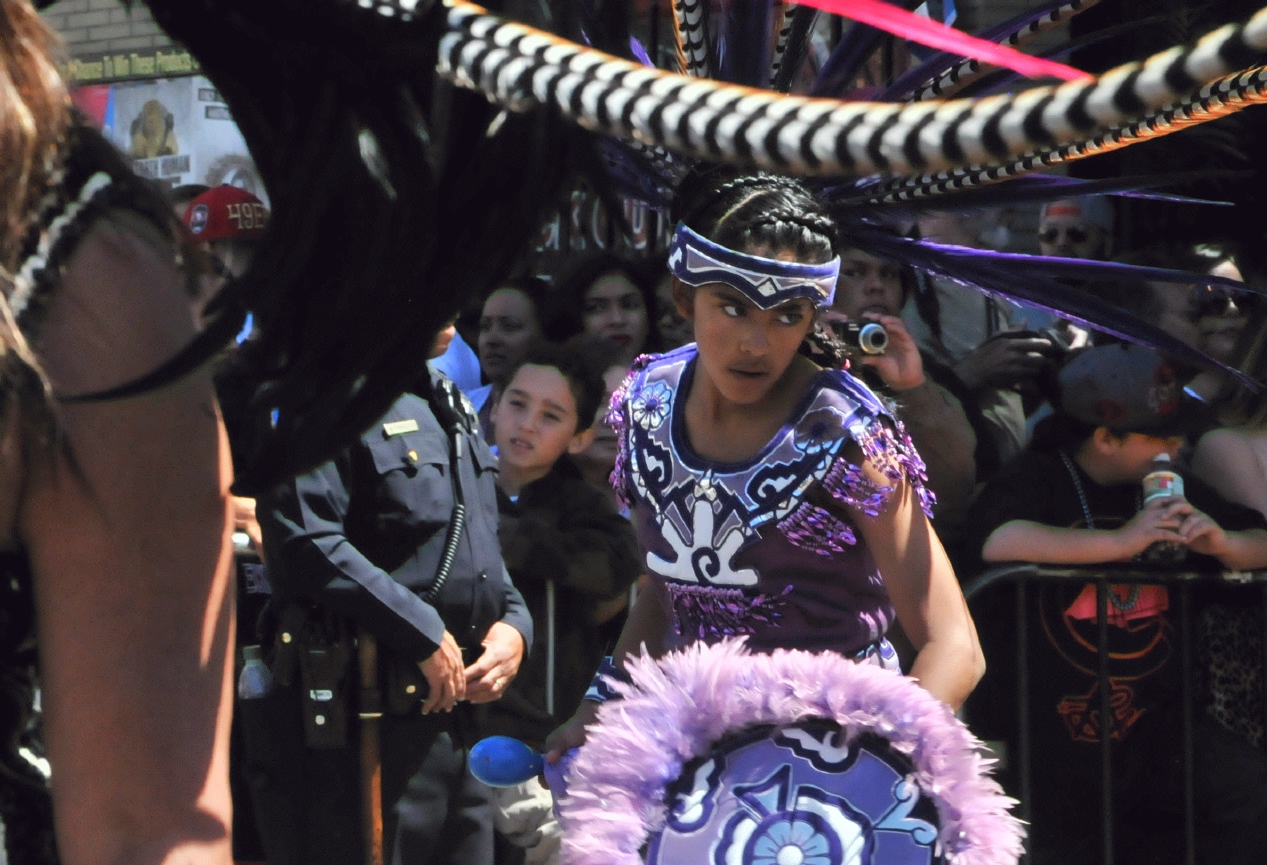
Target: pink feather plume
{"x": 925, "y": 31}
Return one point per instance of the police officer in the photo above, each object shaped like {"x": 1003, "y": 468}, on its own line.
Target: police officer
{"x": 356, "y": 550}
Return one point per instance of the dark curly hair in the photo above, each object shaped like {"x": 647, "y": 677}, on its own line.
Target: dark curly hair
{"x": 762, "y": 213}
{"x": 574, "y": 364}
{"x": 570, "y": 286}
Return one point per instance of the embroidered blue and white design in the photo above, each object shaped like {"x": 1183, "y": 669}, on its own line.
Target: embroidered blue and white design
{"x": 708, "y": 513}
{"x": 691, "y": 806}
{"x": 741, "y": 498}
{"x": 651, "y": 407}
{"x": 801, "y": 794}
{"x": 820, "y": 430}
{"x": 702, "y": 557}
{"x": 767, "y": 282}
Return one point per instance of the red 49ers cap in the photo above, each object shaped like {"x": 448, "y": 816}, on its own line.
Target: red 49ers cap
{"x": 226, "y": 213}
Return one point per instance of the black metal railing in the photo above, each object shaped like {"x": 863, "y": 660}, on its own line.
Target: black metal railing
{"x": 1103, "y": 577}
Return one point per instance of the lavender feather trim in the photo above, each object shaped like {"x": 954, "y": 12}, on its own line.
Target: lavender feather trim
{"x": 814, "y": 529}
{"x": 890, "y": 450}
{"x": 712, "y": 613}
{"x": 678, "y": 707}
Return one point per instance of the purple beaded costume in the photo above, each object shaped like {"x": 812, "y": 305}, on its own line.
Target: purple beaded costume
{"x": 741, "y": 548}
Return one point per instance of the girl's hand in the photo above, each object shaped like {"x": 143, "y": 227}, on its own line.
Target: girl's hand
{"x": 571, "y": 734}
{"x": 1159, "y": 520}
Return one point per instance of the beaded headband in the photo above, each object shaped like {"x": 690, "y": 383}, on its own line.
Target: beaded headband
{"x": 767, "y": 282}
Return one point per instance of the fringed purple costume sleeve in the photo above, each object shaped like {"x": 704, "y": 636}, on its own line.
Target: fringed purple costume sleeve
{"x": 886, "y": 446}
{"x": 617, "y": 419}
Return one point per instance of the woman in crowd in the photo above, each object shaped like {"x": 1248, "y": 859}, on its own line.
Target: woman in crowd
{"x": 116, "y": 513}
{"x": 1209, "y": 318}
{"x": 675, "y": 331}
{"x": 510, "y": 322}
{"x": 1233, "y": 459}
{"x": 1219, "y": 314}
{"x": 603, "y": 294}
{"x": 774, "y": 499}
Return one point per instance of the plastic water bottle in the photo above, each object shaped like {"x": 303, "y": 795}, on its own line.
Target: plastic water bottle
{"x": 256, "y": 679}
{"x": 1162, "y": 482}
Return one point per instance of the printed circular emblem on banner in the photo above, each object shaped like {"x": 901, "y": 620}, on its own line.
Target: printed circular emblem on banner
{"x": 198, "y": 218}
{"x": 797, "y": 795}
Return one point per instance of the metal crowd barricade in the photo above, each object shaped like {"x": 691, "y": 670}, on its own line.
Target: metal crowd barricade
{"x": 1103, "y": 577}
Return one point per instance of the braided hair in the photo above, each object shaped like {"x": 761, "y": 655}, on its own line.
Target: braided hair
{"x": 762, "y": 214}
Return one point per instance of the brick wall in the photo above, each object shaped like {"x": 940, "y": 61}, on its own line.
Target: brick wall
{"x": 95, "y": 26}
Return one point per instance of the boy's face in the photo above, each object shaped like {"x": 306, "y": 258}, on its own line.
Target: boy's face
{"x": 535, "y": 420}
{"x": 1133, "y": 455}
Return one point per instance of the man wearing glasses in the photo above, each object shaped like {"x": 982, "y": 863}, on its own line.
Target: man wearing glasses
{"x": 1077, "y": 228}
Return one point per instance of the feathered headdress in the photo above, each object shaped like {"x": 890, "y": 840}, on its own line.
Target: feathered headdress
{"x": 397, "y": 196}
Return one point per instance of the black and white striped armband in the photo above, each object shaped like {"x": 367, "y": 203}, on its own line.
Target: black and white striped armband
{"x": 600, "y": 690}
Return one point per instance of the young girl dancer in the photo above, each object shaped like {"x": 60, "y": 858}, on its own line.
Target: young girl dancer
{"x": 773, "y": 499}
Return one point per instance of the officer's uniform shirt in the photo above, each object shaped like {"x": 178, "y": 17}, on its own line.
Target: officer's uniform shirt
{"x": 363, "y": 535}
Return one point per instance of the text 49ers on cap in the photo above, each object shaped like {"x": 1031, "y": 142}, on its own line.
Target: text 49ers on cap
{"x": 226, "y": 213}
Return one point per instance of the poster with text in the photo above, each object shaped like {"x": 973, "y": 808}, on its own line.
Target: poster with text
{"x": 177, "y": 131}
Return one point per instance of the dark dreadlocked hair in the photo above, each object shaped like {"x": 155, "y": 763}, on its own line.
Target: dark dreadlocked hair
{"x": 761, "y": 214}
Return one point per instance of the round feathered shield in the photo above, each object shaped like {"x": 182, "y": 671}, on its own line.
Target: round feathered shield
{"x": 717, "y": 756}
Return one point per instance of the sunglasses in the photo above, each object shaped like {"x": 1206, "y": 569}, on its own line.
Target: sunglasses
{"x": 1215, "y": 301}
{"x": 1076, "y": 234}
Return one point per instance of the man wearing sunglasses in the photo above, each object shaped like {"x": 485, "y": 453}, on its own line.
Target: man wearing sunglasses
{"x": 1077, "y": 228}
{"x": 1072, "y": 228}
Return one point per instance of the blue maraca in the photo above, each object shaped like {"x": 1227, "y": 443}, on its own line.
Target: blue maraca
{"x": 500, "y": 761}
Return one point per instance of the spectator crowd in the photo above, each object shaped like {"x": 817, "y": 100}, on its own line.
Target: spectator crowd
{"x": 1037, "y": 435}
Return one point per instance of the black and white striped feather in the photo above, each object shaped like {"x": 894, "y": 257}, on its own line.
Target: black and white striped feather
{"x": 522, "y": 69}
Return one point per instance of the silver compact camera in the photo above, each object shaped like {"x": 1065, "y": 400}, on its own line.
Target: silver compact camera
{"x": 866, "y": 337}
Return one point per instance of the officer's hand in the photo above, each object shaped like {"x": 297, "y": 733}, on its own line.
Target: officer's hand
{"x": 488, "y": 678}
{"x": 444, "y": 674}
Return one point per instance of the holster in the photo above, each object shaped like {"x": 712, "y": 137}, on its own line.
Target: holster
{"x": 284, "y": 636}
{"x": 405, "y": 686}
{"x": 323, "y": 668}
{"x": 318, "y": 648}
{"x": 305, "y": 642}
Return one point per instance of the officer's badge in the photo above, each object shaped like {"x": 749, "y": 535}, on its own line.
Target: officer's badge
{"x": 400, "y": 427}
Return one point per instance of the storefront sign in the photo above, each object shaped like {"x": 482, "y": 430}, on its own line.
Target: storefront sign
{"x": 117, "y": 65}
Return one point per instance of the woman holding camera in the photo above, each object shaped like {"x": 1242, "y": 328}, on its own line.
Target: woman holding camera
{"x": 938, "y": 420}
